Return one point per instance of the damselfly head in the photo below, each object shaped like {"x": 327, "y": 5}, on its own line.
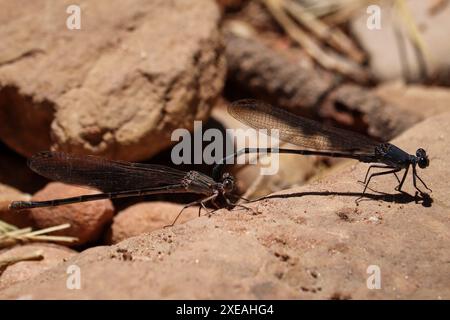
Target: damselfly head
{"x": 227, "y": 182}
{"x": 422, "y": 158}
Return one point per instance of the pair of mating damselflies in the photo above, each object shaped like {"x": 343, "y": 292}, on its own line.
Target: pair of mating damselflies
{"x": 119, "y": 179}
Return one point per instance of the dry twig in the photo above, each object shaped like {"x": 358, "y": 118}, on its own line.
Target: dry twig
{"x": 326, "y": 60}
{"x": 333, "y": 36}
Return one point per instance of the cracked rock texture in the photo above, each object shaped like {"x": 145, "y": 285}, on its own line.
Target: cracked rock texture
{"x": 309, "y": 242}
{"x": 118, "y": 86}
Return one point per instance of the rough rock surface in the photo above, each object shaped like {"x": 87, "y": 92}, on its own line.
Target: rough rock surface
{"x": 116, "y": 87}
{"x": 87, "y": 219}
{"x": 53, "y": 254}
{"x": 147, "y": 216}
{"x": 421, "y": 100}
{"x": 309, "y": 242}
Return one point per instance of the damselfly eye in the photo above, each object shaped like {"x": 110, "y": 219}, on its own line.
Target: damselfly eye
{"x": 228, "y": 182}
{"x": 420, "y": 153}
{"x": 423, "y": 161}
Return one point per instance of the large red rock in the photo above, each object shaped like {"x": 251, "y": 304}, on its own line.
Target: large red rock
{"x": 310, "y": 242}
{"x": 146, "y": 217}
{"x": 87, "y": 219}
{"x": 119, "y": 86}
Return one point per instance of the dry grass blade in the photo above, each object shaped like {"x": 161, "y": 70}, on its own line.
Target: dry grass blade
{"x": 346, "y": 10}
{"x": 50, "y": 229}
{"x": 334, "y": 37}
{"x": 16, "y": 233}
{"x": 326, "y": 60}
{"x": 52, "y": 238}
{"x": 6, "y": 227}
{"x": 11, "y": 235}
{"x": 421, "y": 50}
{"x": 328, "y": 8}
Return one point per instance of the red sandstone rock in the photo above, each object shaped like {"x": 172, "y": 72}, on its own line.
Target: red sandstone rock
{"x": 53, "y": 255}
{"x": 309, "y": 242}
{"x": 146, "y": 217}
{"x": 87, "y": 219}
{"x": 118, "y": 87}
